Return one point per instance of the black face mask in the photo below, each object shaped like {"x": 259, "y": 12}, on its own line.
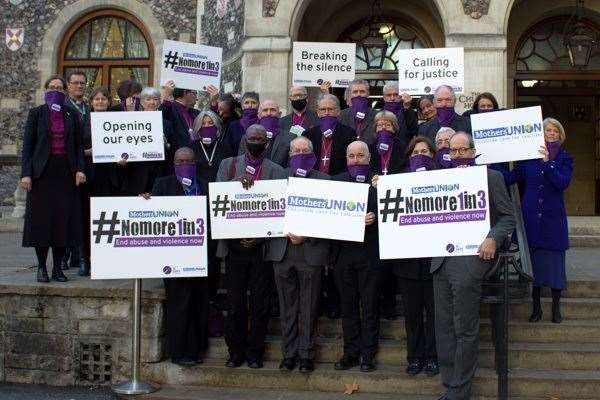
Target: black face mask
{"x": 299, "y": 104}
{"x": 256, "y": 150}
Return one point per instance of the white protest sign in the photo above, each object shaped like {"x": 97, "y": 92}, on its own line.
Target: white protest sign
{"x": 508, "y": 135}
{"x": 164, "y": 237}
{"x": 132, "y": 135}
{"x": 237, "y": 213}
{"x": 440, "y": 213}
{"x": 191, "y": 66}
{"x": 421, "y": 71}
{"x": 326, "y": 209}
{"x": 316, "y": 62}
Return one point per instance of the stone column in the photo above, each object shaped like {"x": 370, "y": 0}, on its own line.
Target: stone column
{"x": 265, "y": 67}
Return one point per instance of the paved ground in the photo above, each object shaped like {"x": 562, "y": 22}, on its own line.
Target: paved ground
{"x": 43, "y": 392}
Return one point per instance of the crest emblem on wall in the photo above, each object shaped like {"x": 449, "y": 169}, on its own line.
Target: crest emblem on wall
{"x": 14, "y": 38}
{"x": 221, "y": 8}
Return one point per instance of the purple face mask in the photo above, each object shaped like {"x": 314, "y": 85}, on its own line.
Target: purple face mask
{"x": 208, "y": 134}
{"x": 443, "y": 158}
{"x": 553, "y": 149}
{"x": 385, "y": 140}
{"x": 457, "y": 162}
{"x": 186, "y": 173}
{"x": 302, "y": 164}
{"x": 421, "y": 162}
{"x": 271, "y": 124}
{"x": 249, "y": 117}
{"x": 327, "y": 125}
{"x": 360, "y": 105}
{"x": 54, "y": 99}
{"x": 445, "y": 115}
{"x": 359, "y": 173}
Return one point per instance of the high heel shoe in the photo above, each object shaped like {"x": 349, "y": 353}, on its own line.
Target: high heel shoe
{"x": 57, "y": 275}
{"x": 556, "y": 316}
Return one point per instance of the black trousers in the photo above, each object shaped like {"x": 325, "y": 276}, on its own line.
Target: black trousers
{"x": 187, "y": 316}
{"x": 419, "y": 319}
{"x": 214, "y": 270}
{"x": 246, "y": 271}
{"x": 359, "y": 285}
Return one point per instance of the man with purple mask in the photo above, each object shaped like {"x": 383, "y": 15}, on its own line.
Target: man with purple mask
{"x": 444, "y": 101}
{"x": 357, "y": 273}
{"x": 245, "y": 268}
{"x": 186, "y": 298}
{"x": 359, "y": 116}
{"x": 279, "y": 139}
{"x": 236, "y": 129}
{"x": 399, "y": 104}
{"x": 297, "y": 263}
{"x": 442, "y": 146}
{"x": 457, "y": 282}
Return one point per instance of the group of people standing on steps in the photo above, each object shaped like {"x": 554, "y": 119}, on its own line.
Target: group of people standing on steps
{"x": 246, "y": 139}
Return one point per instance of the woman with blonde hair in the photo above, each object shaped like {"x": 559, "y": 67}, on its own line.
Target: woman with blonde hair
{"x": 544, "y": 214}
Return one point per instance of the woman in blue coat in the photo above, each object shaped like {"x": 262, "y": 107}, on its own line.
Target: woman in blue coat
{"x": 544, "y": 214}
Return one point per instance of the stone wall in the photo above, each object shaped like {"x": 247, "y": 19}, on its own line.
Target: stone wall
{"x": 49, "y": 339}
{"x": 223, "y": 26}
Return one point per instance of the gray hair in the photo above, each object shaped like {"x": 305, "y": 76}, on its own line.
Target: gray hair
{"x": 183, "y": 150}
{"x": 389, "y": 86}
{"x": 362, "y": 144}
{"x": 357, "y": 81}
{"x": 327, "y": 96}
{"x": 301, "y": 139}
{"x": 150, "y": 92}
{"x": 449, "y": 88}
{"x": 444, "y": 129}
{"x": 303, "y": 89}
{"x": 213, "y": 116}
{"x": 468, "y": 135}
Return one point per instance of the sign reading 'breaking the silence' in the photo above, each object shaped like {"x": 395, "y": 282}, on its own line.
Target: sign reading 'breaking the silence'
{"x": 438, "y": 213}
{"x": 191, "y": 66}
{"x": 316, "y": 62}
{"x": 130, "y": 136}
{"x": 421, "y": 71}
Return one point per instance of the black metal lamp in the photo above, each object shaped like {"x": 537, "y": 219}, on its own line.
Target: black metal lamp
{"x": 374, "y": 46}
{"x": 578, "y": 38}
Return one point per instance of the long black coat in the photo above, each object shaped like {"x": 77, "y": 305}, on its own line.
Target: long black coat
{"x": 397, "y": 159}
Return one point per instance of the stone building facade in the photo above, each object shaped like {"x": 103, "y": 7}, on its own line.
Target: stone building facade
{"x": 508, "y": 51}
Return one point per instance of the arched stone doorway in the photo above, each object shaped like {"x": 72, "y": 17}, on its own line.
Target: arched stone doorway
{"x": 540, "y": 74}
{"x": 409, "y": 24}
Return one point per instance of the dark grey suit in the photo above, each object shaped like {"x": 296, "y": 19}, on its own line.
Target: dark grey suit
{"x": 457, "y": 292}
{"x": 368, "y": 127}
{"x": 310, "y": 119}
{"x": 279, "y": 148}
{"x": 297, "y": 271}
{"x": 431, "y": 127}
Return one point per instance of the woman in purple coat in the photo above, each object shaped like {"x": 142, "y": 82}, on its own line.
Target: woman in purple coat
{"x": 544, "y": 214}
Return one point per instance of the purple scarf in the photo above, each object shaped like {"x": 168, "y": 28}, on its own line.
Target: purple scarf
{"x": 302, "y": 164}
{"x": 443, "y": 158}
{"x": 55, "y": 101}
{"x": 208, "y": 134}
{"x": 385, "y": 139}
{"x": 327, "y": 123}
{"x": 421, "y": 162}
{"x": 360, "y": 105}
{"x": 249, "y": 117}
{"x": 553, "y": 149}
{"x": 456, "y": 162}
{"x": 253, "y": 166}
{"x": 397, "y": 108}
{"x": 271, "y": 125}
{"x": 359, "y": 173}
{"x": 445, "y": 115}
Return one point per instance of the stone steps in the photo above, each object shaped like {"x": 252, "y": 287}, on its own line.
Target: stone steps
{"x": 171, "y": 392}
{"x": 584, "y": 240}
{"x": 550, "y": 356}
{"x": 387, "y": 379}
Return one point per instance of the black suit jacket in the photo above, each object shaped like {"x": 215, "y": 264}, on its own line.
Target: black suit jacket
{"x": 343, "y": 251}
{"x": 311, "y": 119}
{"x": 36, "y": 141}
{"x": 397, "y": 159}
{"x": 180, "y": 136}
{"x": 342, "y": 136}
{"x": 431, "y": 127}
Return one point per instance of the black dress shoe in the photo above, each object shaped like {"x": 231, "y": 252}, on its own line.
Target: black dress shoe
{"x": 57, "y": 275}
{"x": 367, "y": 365}
{"x": 536, "y": 315}
{"x": 556, "y": 316}
{"x": 306, "y": 365}
{"x": 234, "y": 362}
{"x": 255, "y": 363}
{"x": 432, "y": 368}
{"x": 346, "y": 362}
{"x": 414, "y": 368}
{"x": 84, "y": 267}
{"x": 184, "y": 362}
{"x": 288, "y": 364}
{"x": 42, "y": 274}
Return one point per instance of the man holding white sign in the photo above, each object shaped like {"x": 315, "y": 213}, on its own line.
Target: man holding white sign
{"x": 444, "y": 101}
{"x": 509, "y": 135}
{"x": 297, "y": 265}
{"x": 457, "y": 282}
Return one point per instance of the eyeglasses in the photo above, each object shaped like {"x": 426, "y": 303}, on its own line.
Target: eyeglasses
{"x": 461, "y": 151}
{"x": 386, "y": 124}
{"x": 442, "y": 141}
